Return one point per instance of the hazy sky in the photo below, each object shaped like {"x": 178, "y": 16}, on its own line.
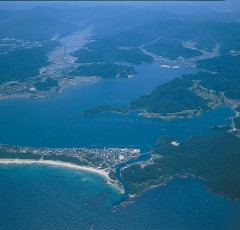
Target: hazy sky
{"x": 224, "y": 6}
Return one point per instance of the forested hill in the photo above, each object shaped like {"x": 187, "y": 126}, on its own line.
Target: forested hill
{"x": 214, "y": 158}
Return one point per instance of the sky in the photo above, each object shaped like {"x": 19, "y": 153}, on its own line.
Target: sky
{"x": 228, "y": 5}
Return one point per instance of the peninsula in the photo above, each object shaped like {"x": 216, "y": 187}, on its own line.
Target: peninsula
{"x": 213, "y": 158}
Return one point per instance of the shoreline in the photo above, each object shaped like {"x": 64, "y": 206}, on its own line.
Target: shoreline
{"x": 64, "y": 165}
{"x": 44, "y": 95}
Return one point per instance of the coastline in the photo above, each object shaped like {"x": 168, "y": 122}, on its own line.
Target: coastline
{"x": 65, "y": 165}
{"x": 43, "y": 95}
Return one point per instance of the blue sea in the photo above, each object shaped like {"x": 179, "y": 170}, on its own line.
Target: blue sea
{"x": 43, "y": 197}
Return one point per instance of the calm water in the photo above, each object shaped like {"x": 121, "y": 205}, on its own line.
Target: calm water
{"x": 60, "y": 122}
{"x": 40, "y": 197}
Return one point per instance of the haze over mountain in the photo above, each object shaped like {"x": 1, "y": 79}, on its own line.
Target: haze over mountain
{"x": 180, "y": 7}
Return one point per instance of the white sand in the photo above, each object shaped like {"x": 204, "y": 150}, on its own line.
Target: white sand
{"x": 55, "y": 163}
{"x": 62, "y": 164}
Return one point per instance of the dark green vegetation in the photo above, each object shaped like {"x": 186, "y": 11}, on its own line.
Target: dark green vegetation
{"x": 41, "y": 24}
{"x": 237, "y": 122}
{"x": 104, "y": 70}
{"x": 176, "y": 95}
{"x": 215, "y": 158}
{"x": 21, "y": 64}
{"x": 125, "y": 46}
{"x": 219, "y": 74}
{"x": 204, "y": 34}
{"x": 31, "y": 156}
{"x": 105, "y": 53}
{"x": 226, "y": 79}
{"x": 138, "y": 29}
{"x": 46, "y": 85}
{"x": 171, "y": 97}
{"x": 165, "y": 37}
{"x": 237, "y": 109}
{"x": 171, "y": 49}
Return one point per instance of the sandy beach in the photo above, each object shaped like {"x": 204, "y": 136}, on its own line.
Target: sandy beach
{"x": 62, "y": 164}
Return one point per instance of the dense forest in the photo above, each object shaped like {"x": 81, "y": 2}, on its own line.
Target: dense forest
{"x": 104, "y": 70}
{"x": 215, "y": 158}
{"x": 22, "y": 64}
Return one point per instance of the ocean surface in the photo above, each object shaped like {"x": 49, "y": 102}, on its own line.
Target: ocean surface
{"x": 43, "y": 197}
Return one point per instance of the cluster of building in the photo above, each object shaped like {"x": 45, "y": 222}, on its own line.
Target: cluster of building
{"x": 96, "y": 157}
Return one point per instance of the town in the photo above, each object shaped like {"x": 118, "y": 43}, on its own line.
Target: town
{"x": 100, "y": 158}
